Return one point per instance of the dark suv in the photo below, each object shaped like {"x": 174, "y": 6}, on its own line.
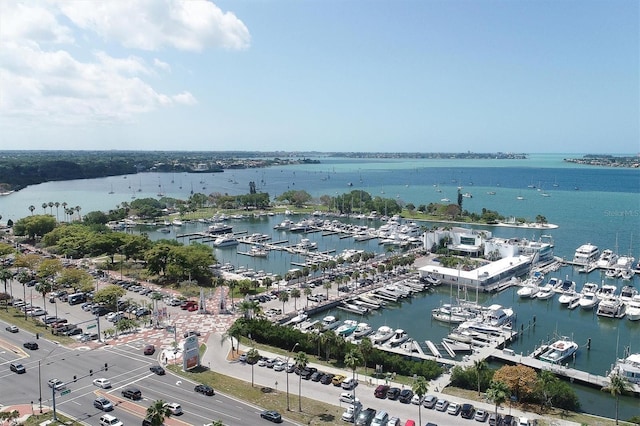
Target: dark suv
{"x": 393, "y": 393}
{"x": 467, "y": 411}
{"x": 132, "y": 393}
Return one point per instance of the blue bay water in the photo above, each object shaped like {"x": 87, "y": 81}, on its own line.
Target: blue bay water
{"x": 589, "y": 204}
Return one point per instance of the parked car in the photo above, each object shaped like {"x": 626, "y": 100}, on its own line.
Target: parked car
{"x": 204, "y": 389}
{"x": 393, "y": 393}
{"x": 508, "y": 420}
{"x": 349, "y": 384}
{"x": 132, "y": 393}
{"x": 429, "y": 401}
{"x": 317, "y": 376}
{"x": 18, "y": 368}
{"x": 326, "y": 379}
{"x": 347, "y": 397}
{"x": 365, "y": 417}
{"x": 467, "y": 411}
{"x": 405, "y": 396}
{"x": 351, "y": 411}
{"x": 441, "y": 405}
{"x": 453, "y": 409}
{"x": 338, "y": 379}
{"x": 12, "y": 329}
{"x": 103, "y": 404}
{"x": 381, "y": 391}
{"x": 495, "y": 420}
{"x": 481, "y": 416}
{"x": 109, "y": 420}
{"x": 272, "y": 416}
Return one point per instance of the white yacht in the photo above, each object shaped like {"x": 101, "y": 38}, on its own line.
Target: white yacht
{"x": 545, "y": 292}
{"x": 559, "y": 351}
{"x": 225, "y": 241}
{"x": 383, "y": 334}
{"x": 307, "y": 245}
{"x": 399, "y": 337}
{"x": 329, "y": 322}
{"x": 585, "y": 254}
{"x": 629, "y": 368}
{"x": 498, "y": 316}
{"x": 606, "y": 259}
{"x": 569, "y": 297}
{"x": 627, "y": 274}
{"x": 220, "y": 228}
{"x": 528, "y": 290}
{"x": 589, "y": 297}
{"x": 633, "y": 308}
{"x": 628, "y": 292}
{"x": 285, "y": 225}
{"x": 256, "y": 251}
{"x": 611, "y": 307}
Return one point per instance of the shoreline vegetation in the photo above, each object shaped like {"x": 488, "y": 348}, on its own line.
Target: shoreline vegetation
{"x": 19, "y": 169}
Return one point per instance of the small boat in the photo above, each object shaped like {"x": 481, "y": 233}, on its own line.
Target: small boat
{"x": 298, "y": 318}
{"x": 627, "y": 274}
{"x": 256, "y": 251}
{"x": 383, "y": 334}
{"x": 164, "y": 230}
{"x": 307, "y": 245}
{"x": 346, "y": 328}
{"x": 399, "y": 337}
{"x": 329, "y": 322}
{"x": 628, "y": 292}
{"x": 559, "y": 351}
{"x": 220, "y": 228}
{"x": 362, "y": 329}
{"x": 177, "y": 222}
{"x": 569, "y": 298}
{"x": 528, "y": 290}
{"x": 589, "y": 298}
{"x": 545, "y": 292}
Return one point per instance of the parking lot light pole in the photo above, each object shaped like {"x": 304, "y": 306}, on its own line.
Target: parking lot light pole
{"x": 40, "y": 387}
{"x": 287, "y": 362}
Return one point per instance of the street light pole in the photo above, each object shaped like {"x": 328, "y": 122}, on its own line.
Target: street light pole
{"x": 40, "y": 387}
{"x": 287, "y": 362}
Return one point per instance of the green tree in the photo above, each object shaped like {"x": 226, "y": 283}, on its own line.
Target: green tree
{"x": 33, "y": 226}
{"x": 497, "y": 393}
{"x": 366, "y": 349}
{"x": 158, "y": 412}
{"x": 618, "y": 385}
{"x": 6, "y": 275}
{"x": 283, "y": 296}
{"x": 420, "y": 387}
{"x": 301, "y": 362}
{"x": 307, "y": 293}
{"x": 252, "y": 357}
{"x": 109, "y": 296}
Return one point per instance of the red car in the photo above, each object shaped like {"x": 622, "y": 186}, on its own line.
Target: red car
{"x": 188, "y": 304}
{"x": 149, "y": 350}
{"x": 192, "y": 308}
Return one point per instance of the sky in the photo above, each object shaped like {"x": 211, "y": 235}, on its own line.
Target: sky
{"x": 310, "y": 75}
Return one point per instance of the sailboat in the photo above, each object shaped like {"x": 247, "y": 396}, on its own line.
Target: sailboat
{"x": 111, "y": 192}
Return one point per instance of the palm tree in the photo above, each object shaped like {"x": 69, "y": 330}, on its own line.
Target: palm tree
{"x": 57, "y": 204}
{"x": 353, "y": 359}
{"x": 617, "y": 387}
{"x": 44, "y": 207}
{"x": 327, "y": 286}
{"x": 43, "y": 288}
{"x": 480, "y": 366}
{"x": 307, "y": 293}
{"x": 295, "y": 294}
{"x": 77, "y": 209}
{"x": 6, "y": 275}
{"x": 283, "y": 296}
{"x": 420, "y": 387}
{"x": 232, "y": 284}
{"x": 252, "y": 357}
{"x": 64, "y": 208}
{"x": 50, "y": 204}
{"x": 301, "y": 362}
{"x": 32, "y": 208}
{"x": 158, "y": 412}
{"x": 497, "y": 392}
{"x": 327, "y": 339}
{"x": 366, "y": 349}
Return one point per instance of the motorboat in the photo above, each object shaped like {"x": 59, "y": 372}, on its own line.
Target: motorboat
{"x": 633, "y": 308}
{"x": 569, "y": 298}
{"x": 606, "y": 259}
{"x": 299, "y": 318}
{"x": 329, "y": 322}
{"x": 559, "y": 351}
{"x": 611, "y": 307}
{"x": 627, "y": 293}
{"x": 612, "y": 273}
{"x": 628, "y": 368}
{"x": 528, "y": 290}
{"x": 565, "y": 286}
{"x": 346, "y": 328}
{"x": 164, "y": 230}
{"x": 362, "y": 329}
{"x": 225, "y": 241}
{"x": 256, "y": 251}
{"x": 399, "y": 337}
{"x": 627, "y": 274}
{"x": 606, "y": 291}
{"x": 285, "y": 225}
{"x": 589, "y": 297}
{"x": 545, "y": 292}
{"x": 219, "y": 228}
{"x": 499, "y": 316}
{"x": 586, "y": 254}
{"x": 383, "y": 334}
{"x": 306, "y": 244}
{"x": 432, "y": 280}
{"x": 177, "y": 222}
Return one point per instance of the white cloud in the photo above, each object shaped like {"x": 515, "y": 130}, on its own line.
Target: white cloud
{"x": 191, "y": 25}
{"x": 46, "y": 73}
{"x": 162, "y": 65}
